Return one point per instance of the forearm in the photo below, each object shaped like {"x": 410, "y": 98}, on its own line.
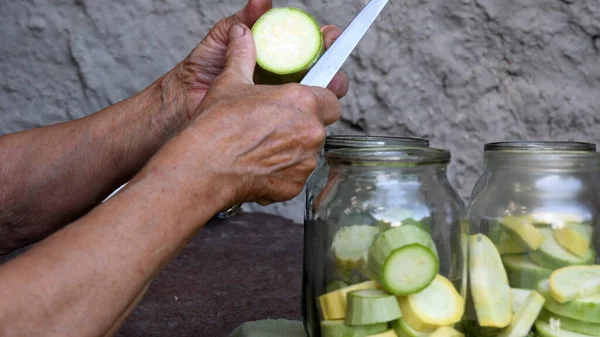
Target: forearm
{"x": 82, "y": 280}
{"x": 50, "y": 176}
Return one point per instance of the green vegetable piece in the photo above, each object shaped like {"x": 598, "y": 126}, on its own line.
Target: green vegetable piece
{"x": 544, "y": 329}
{"x": 337, "y": 328}
{"x": 525, "y": 316}
{"x": 404, "y": 260}
{"x": 552, "y": 255}
{"x": 569, "y": 324}
{"x": 523, "y": 272}
{"x": 288, "y": 43}
{"x": 569, "y": 283}
{"x": 371, "y": 307}
{"x": 583, "y": 309}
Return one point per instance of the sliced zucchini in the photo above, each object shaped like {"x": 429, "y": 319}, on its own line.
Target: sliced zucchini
{"x": 544, "y": 329}
{"x": 575, "y": 238}
{"x": 336, "y": 285}
{"x": 523, "y": 272}
{"x": 518, "y": 297}
{"x": 338, "y": 328}
{"x": 333, "y": 304}
{"x": 388, "y": 333}
{"x": 446, "y": 331}
{"x": 505, "y": 242}
{"x": 350, "y": 245}
{"x": 552, "y": 255}
{"x": 438, "y": 305}
{"x": 404, "y": 259}
{"x": 583, "y": 309}
{"x": 525, "y": 317}
{"x": 569, "y": 324}
{"x": 569, "y": 283}
{"x": 404, "y": 330}
{"x": 288, "y": 43}
{"x": 491, "y": 292}
{"x": 522, "y": 228}
{"x": 371, "y": 306}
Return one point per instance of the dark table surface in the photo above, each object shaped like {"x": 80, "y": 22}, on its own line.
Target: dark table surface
{"x": 245, "y": 268}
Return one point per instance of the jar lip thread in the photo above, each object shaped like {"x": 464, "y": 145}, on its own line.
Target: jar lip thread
{"x": 390, "y": 155}
{"x": 543, "y": 145}
{"x": 359, "y": 141}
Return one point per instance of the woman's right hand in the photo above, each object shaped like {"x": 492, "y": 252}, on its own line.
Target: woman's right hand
{"x": 258, "y": 143}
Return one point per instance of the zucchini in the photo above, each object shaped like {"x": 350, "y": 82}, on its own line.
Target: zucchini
{"x": 350, "y": 245}
{"x": 337, "y": 328}
{"x": 491, "y": 292}
{"x": 388, "y": 333}
{"x": 333, "y": 304}
{"x": 575, "y": 238}
{"x": 569, "y": 283}
{"x": 404, "y": 330}
{"x": 288, "y": 43}
{"x": 552, "y": 255}
{"x": 569, "y": 324}
{"x": 525, "y": 316}
{"x": 371, "y": 306}
{"x": 438, "y": 305}
{"x": 336, "y": 285}
{"x": 544, "y": 329}
{"x": 523, "y": 272}
{"x": 522, "y": 229}
{"x": 404, "y": 260}
{"x": 518, "y": 297}
{"x": 582, "y": 309}
{"x": 446, "y": 331}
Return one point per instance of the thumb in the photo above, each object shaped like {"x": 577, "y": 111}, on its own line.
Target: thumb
{"x": 240, "y": 59}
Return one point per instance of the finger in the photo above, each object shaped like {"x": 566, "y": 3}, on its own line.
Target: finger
{"x": 330, "y": 34}
{"x": 240, "y": 59}
{"x": 329, "y": 105}
{"x": 340, "y": 84}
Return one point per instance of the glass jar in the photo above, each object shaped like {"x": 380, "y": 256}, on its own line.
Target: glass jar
{"x": 318, "y": 179}
{"x": 386, "y": 225}
{"x": 533, "y": 224}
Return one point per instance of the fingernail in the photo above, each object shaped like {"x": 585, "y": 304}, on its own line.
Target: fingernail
{"x": 238, "y": 31}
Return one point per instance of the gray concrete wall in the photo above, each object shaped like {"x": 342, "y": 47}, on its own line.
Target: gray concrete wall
{"x": 459, "y": 72}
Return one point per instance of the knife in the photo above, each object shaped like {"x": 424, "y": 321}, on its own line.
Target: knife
{"x": 335, "y": 56}
{"x": 329, "y": 63}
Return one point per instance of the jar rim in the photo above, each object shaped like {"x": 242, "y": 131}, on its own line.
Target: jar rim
{"x": 541, "y": 145}
{"x": 360, "y": 141}
{"x": 395, "y": 155}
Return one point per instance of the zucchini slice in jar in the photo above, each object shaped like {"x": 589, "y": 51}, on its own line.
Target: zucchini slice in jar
{"x": 544, "y": 329}
{"x": 338, "y": 328}
{"x": 522, "y": 228}
{"x": 569, "y": 324}
{"x": 333, "y": 304}
{"x": 350, "y": 245}
{"x": 525, "y": 316}
{"x": 371, "y": 307}
{"x": 404, "y": 330}
{"x": 569, "y": 283}
{"x": 552, "y": 255}
{"x": 491, "y": 292}
{"x": 584, "y": 309}
{"x": 404, "y": 260}
{"x": 522, "y": 272}
{"x": 288, "y": 43}
{"x": 575, "y": 238}
{"x": 438, "y": 305}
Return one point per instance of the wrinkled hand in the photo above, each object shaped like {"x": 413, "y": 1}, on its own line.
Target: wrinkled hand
{"x": 202, "y": 66}
{"x": 258, "y": 142}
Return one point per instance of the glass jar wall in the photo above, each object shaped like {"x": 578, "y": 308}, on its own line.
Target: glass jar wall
{"x": 318, "y": 179}
{"x": 533, "y": 243}
{"x": 384, "y": 247}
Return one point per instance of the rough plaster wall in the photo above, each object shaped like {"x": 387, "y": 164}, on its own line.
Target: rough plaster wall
{"x": 459, "y": 72}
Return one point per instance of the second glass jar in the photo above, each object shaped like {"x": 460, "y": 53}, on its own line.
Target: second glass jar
{"x": 534, "y": 237}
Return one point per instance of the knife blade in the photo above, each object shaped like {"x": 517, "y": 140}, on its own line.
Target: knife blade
{"x": 336, "y": 55}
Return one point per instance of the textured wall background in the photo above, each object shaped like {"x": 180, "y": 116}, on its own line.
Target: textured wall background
{"x": 459, "y": 72}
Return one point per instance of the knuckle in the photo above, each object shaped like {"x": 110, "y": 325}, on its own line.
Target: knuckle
{"x": 316, "y": 135}
{"x": 302, "y": 96}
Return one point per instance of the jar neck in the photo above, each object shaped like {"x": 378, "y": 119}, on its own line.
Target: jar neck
{"x": 350, "y": 141}
{"x": 542, "y": 161}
